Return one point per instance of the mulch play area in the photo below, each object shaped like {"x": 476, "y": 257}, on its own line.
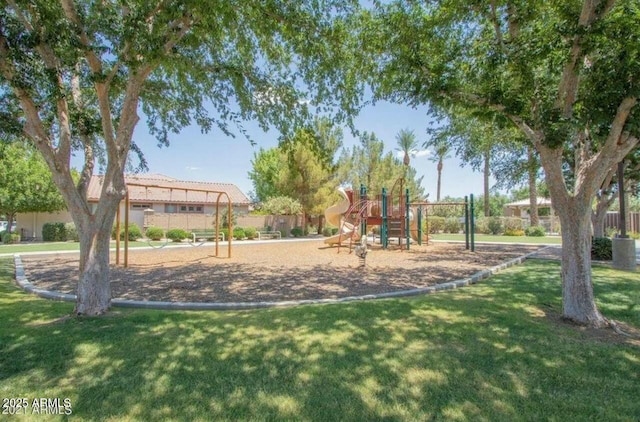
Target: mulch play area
{"x": 273, "y": 271}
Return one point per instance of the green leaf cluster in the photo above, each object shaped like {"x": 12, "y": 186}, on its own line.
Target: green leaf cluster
{"x": 26, "y": 184}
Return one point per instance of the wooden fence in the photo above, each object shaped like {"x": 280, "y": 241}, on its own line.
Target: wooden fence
{"x": 633, "y": 221}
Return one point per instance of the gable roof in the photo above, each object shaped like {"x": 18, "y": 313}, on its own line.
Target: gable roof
{"x": 164, "y": 189}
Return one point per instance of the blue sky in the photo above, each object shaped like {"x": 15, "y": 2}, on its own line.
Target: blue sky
{"x": 214, "y": 157}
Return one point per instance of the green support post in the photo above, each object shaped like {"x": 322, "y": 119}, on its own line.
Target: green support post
{"x": 363, "y": 223}
{"x": 384, "y": 235}
{"x": 466, "y": 222}
{"x": 472, "y": 224}
{"x": 406, "y": 218}
{"x": 419, "y": 217}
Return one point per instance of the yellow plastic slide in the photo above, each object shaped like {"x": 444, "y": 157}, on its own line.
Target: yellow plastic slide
{"x": 334, "y": 214}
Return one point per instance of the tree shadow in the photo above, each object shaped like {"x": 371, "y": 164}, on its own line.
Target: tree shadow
{"x": 484, "y": 352}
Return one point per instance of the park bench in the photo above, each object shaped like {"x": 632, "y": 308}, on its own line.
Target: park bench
{"x": 206, "y": 235}
{"x": 269, "y": 234}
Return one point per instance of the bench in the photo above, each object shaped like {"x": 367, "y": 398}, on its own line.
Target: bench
{"x": 269, "y": 234}
{"x": 206, "y": 235}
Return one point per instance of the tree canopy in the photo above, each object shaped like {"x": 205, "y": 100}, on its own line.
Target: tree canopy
{"x": 77, "y": 75}
{"x": 563, "y": 73}
{"x": 367, "y": 164}
{"x": 25, "y": 182}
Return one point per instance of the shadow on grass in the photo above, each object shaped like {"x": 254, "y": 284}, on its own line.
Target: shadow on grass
{"x": 486, "y": 352}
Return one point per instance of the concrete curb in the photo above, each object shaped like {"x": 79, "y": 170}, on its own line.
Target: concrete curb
{"x": 22, "y": 281}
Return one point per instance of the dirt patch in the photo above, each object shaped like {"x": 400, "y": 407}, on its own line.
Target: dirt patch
{"x": 273, "y": 271}
{"x": 616, "y": 332}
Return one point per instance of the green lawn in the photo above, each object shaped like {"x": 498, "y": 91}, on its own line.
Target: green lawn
{"x": 485, "y": 352}
{"x": 550, "y": 240}
{"x": 62, "y": 246}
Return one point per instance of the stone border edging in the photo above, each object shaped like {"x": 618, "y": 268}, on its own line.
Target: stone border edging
{"x": 27, "y": 286}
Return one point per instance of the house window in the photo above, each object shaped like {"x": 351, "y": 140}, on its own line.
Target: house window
{"x": 192, "y": 209}
{"x": 170, "y": 208}
{"x": 140, "y": 206}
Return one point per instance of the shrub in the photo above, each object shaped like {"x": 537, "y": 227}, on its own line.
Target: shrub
{"x": 10, "y": 238}
{"x": 154, "y": 233}
{"x": 482, "y": 225}
{"x": 535, "y": 231}
{"x": 134, "y": 232}
{"x": 601, "y": 249}
{"x": 452, "y": 225}
{"x": 611, "y": 232}
{"x": 494, "y": 225}
{"x": 513, "y": 232}
{"x": 250, "y": 233}
{"x": 435, "y": 224}
{"x": 238, "y": 233}
{"x": 224, "y": 231}
{"x": 513, "y": 223}
{"x": 71, "y": 233}
{"x": 177, "y": 235}
{"x": 326, "y": 232}
{"x": 297, "y": 232}
{"x": 54, "y": 232}
{"x": 334, "y": 231}
{"x": 283, "y": 233}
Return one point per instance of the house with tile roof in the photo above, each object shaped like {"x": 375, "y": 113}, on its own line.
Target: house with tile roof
{"x": 155, "y": 200}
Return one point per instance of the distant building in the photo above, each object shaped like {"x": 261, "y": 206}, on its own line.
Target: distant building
{"x": 160, "y": 201}
{"x": 546, "y": 214}
{"x": 521, "y": 208}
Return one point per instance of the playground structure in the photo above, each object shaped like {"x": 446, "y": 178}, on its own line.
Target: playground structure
{"x": 216, "y": 225}
{"x": 393, "y": 212}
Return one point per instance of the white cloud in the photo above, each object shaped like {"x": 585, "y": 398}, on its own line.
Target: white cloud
{"x": 422, "y": 153}
{"x": 416, "y": 153}
{"x": 188, "y": 168}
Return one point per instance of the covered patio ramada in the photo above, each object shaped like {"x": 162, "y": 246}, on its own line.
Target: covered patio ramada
{"x": 546, "y": 215}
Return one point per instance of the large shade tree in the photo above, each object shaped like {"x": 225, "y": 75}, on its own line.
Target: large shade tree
{"x": 76, "y": 75}
{"x": 565, "y": 73}
{"x": 496, "y": 149}
{"x": 367, "y": 164}
{"x": 25, "y": 182}
{"x": 308, "y": 174}
{"x": 302, "y": 167}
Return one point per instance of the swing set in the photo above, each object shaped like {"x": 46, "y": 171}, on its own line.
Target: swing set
{"x": 216, "y": 229}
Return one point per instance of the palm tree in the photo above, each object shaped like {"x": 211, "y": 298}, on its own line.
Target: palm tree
{"x": 407, "y": 143}
{"x": 441, "y": 151}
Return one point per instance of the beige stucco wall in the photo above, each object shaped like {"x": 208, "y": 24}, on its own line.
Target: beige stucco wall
{"x": 29, "y": 223}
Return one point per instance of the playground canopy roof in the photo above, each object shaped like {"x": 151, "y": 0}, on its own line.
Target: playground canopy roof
{"x": 171, "y": 190}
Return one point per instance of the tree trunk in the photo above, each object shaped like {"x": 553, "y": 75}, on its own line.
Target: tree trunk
{"x": 574, "y": 211}
{"x": 94, "y": 288}
{"x": 10, "y": 219}
{"x": 94, "y": 231}
{"x": 578, "y": 303}
{"x": 599, "y": 216}
{"x": 487, "y": 171}
{"x": 534, "y": 220}
{"x": 439, "y": 179}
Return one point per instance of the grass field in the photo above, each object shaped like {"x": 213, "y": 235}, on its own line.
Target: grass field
{"x": 64, "y": 246}
{"x": 496, "y": 351}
